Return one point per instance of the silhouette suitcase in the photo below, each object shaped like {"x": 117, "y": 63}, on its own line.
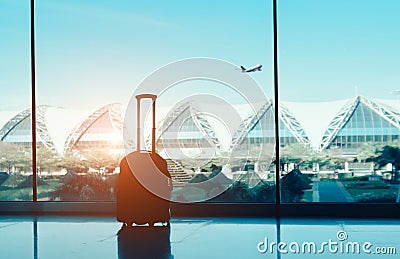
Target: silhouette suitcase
{"x": 144, "y": 183}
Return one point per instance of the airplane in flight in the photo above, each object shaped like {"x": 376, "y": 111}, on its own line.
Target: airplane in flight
{"x": 251, "y": 69}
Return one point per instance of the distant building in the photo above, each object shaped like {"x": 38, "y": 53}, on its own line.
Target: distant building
{"x": 342, "y": 126}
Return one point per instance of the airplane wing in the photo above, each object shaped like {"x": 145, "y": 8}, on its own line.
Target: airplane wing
{"x": 251, "y": 69}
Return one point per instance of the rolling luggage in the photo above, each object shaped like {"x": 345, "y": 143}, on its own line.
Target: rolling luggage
{"x": 144, "y": 183}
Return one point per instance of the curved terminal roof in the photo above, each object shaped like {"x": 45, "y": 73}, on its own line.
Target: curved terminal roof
{"x": 17, "y": 128}
{"x": 316, "y": 123}
{"x": 60, "y": 123}
{"x": 6, "y": 116}
{"x": 315, "y": 117}
{"x": 56, "y": 127}
{"x": 102, "y": 125}
{"x": 219, "y": 120}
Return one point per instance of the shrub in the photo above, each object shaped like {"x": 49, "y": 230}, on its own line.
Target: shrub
{"x": 295, "y": 180}
{"x": 237, "y": 192}
{"x": 240, "y": 192}
{"x": 293, "y": 186}
{"x": 198, "y": 178}
{"x": 88, "y": 187}
{"x": 264, "y": 192}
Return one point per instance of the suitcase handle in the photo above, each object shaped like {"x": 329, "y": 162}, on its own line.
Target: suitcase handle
{"x": 153, "y": 130}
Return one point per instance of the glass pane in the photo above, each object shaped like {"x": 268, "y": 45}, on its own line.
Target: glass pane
{"x": 92, "y": 55}
{"x": 15, "y": 112}
{"x": 339, "y": 93}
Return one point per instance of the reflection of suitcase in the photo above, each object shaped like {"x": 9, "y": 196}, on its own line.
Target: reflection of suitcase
{"x": 144, "y": 183}
{"x": 144, "y": 242}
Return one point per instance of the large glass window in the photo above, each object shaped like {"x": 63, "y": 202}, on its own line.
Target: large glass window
{"x": 15, "y": 112}
{"x": 338, "y": 109}
{"x": 338, "y": 82}
{"x": 92, "y": 55}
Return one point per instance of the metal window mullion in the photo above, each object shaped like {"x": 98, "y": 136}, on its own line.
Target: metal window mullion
{"x": 33, "y": 102}
{"x": 276, "y": 101}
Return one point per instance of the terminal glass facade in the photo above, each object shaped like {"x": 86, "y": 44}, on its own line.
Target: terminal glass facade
{"x": 339, "y": 116}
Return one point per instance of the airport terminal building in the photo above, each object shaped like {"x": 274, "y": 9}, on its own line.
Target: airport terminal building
{"x": 342, "y": 125}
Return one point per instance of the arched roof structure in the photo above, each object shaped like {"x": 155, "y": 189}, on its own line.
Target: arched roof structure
{"x": 59, "y": 129}
{"x": 322, "y": 125}
{"x": 318, "y": 124}
{"x": 183, "y": 123}
{"x": 10, "y": 126}
{"x": 104, "y": 124}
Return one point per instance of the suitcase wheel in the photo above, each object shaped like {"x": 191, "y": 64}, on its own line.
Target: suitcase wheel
{"x": 163, "y": 223}
{"x": 127, "y": 224}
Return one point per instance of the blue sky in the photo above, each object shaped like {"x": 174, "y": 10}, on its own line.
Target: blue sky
{"x": 91, "y": 53}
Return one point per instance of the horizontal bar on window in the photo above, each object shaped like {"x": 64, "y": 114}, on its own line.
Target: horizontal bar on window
{"x": 332, "y": 210}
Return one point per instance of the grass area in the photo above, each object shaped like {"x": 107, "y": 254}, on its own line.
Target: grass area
{"x": 374, "y": 195}
{"x": 370, "y": 191}
{"x": 365, "y": 185}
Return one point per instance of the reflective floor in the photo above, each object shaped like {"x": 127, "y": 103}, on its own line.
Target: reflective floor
{"x": 103, "y": 237}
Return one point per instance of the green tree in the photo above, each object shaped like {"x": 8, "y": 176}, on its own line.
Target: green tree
{"x": 303, "y": 156}
{"x": 264, "y": 192}
{"x": 47, "y": 159}
{"x": 14, "y": 156}
{"x": 390, "y": 154}
{"x": 335, "y": 159}
{"x": 293, "y": 185}
{"x": 73, "y": 163}
{"x": 101, "y": 158}
{"x": 368, "y": 151}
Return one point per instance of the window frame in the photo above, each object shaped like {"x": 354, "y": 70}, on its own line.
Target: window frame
{"x": 195, "y": 209}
